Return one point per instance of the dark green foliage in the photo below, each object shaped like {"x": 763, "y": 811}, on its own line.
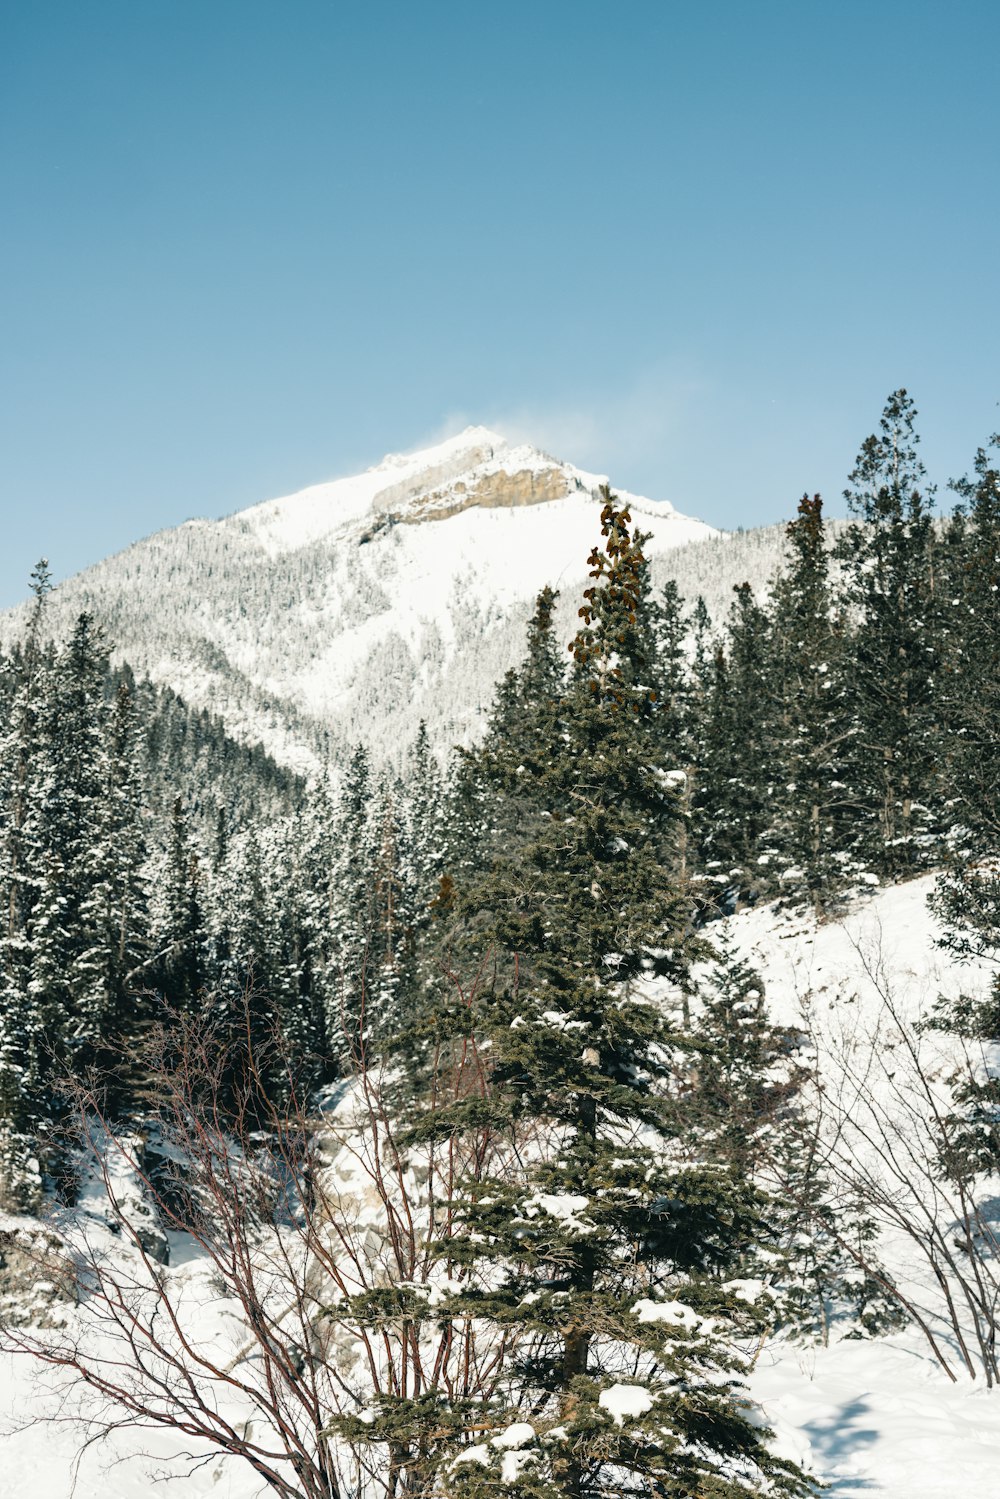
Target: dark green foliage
{"x": 734, "y": 805}
{"x": 970, "y": 672}
{"x": 813, "y": 728}
{"x": 104, "y": 882}
{"x": 888, "y": 554}
{"x": 179, "y": 967}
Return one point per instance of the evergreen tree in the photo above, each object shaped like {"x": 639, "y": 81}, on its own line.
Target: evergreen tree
{"x": 351, "y": 903}
{"x": 970, "y": 688}
{"x": 390, "y": 961}
{"x": 612, "y": 1386}
{"x": 245, "y": 997}
{"x": 525, "y": 698}
{"x": 673, "y": 678}
{"x": 73, "y": 782}
{"x": 179, "y": 926}
{"x": 967, "y": 901}
{"x": 424, "y": 802}
{"x": 734, "y": 805}
{"x": 115, "y": 911}
{"x": 24, "y": 683}
{"x": 703, "y": 647}
{"x": 888, "y": 556}
{"x": 812, "y": 727}
{"x": 748, "y": 1107}
{"x": 743, "y": 1068}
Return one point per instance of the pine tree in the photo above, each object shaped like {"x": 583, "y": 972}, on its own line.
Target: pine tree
{"x": 23, "y": 685}
{"x": 524, "y": 698}
{"x": 744, "y": 1071}
{"x": 888, "y": 556}
{"x": 115, "y": 911}
{"x": 734, "y": 808}
{"x": 244, "y": 1000}
{"x": 424, "y": 815}
{"x": 967, "y": 902}
{"x": 27, "y": 679}
{"x": 612, "y": 1386}
{"x": 749, "y": 1107}
{"x": 179, "y": 926}
{"x": 65, "y": 981}
{"x": 390, "y": 970}
{"x": 673, "y": 678}
{"x": 970, "y": 688}
{"x": 351, "y": 901}
{"x": 812, "y": 728}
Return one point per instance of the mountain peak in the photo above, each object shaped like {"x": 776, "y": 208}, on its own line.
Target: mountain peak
{"x": 469, "y": 440}
{"x": 478, "y": 467}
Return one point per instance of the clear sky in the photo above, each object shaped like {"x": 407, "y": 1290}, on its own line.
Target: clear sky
{"x": 246, "y": 245}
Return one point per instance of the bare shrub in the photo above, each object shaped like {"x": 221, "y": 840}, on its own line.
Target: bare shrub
{"x": 313, "y": 1242}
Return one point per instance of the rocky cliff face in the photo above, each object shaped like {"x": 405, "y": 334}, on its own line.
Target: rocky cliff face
{"x": 500, "y": 490}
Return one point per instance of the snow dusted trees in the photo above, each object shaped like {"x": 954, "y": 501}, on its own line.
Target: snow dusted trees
{"x": 70, "y": 870}
{"x": 565, "y": 1147}
{"x": 734, "y": 803}
{"x": 20, "y": 858}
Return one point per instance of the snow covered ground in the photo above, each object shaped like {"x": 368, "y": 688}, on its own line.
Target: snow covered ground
{"x": 879, "y": 1417}
{"x": 869, "y": 1417}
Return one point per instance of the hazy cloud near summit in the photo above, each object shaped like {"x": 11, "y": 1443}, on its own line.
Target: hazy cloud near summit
{"x": 635, "y": 434}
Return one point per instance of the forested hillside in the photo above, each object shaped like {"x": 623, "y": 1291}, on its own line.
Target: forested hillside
{"x": 510, "y": 957}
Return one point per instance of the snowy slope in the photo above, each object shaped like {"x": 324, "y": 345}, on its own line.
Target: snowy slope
{"x": 352, "y": 609}
{"x": 874, "y": 1417}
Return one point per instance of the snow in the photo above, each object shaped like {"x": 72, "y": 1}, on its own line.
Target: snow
{"x": 405, "y": 480}
{"x": 559, "y": 1021}
{"x": 746, "y": 1290}
{"x": 512, "y": 1466}
{"x": 877, "y": 1417}
{"x": 676, "y": 1313}
{"x": 626, "y": 1400}
{"x": 515, "y": 1435}
{"x": 480, "y": 1453}
{"x": 565, "y": 1206}
{"x": 873, "y": 1415}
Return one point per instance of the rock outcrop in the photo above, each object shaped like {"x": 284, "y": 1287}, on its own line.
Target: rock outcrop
{"x": 37, "y": 1280}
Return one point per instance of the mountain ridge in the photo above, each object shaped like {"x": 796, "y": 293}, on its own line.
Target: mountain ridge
{"x": 352, "y": 609}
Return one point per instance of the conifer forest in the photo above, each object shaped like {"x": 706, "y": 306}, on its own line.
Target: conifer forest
{"x": 444, "y": 1069}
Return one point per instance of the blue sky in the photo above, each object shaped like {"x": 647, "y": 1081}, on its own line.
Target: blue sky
{"x": 247, "y": 246}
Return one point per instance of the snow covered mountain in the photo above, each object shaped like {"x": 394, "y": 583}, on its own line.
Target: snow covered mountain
{"x": 353, "y": 609}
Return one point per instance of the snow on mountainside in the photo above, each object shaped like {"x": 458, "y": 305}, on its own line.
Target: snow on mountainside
{"x": 355, "y": 608}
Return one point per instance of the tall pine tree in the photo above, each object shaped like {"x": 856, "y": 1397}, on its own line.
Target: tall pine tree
{"x": 605, "y": 1249}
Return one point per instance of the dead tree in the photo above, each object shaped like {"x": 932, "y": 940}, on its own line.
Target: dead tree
{"x": 891, "y": 1141}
